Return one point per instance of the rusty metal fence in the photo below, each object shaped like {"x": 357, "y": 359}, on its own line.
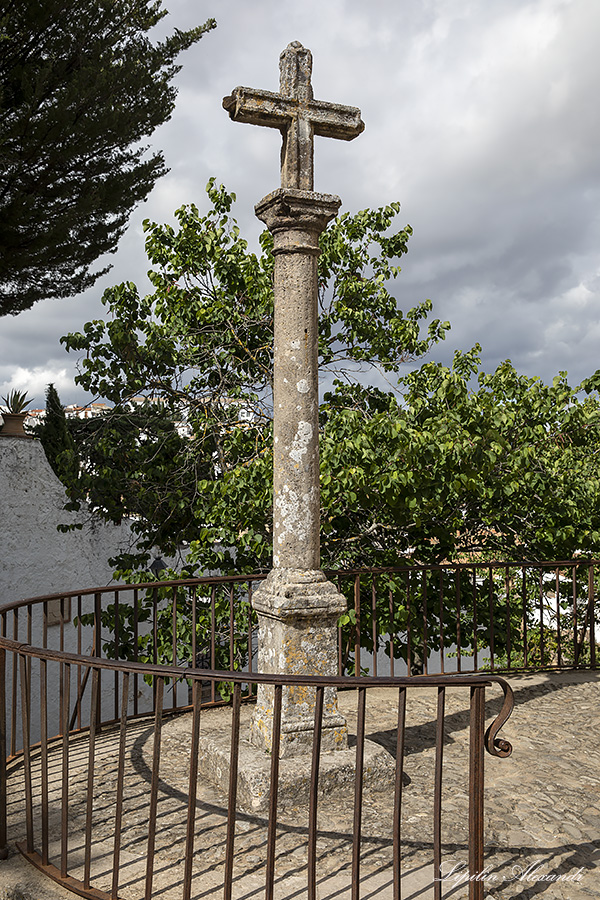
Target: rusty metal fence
{"x": 41, "y": 776}
{"x": 78, "y": 665}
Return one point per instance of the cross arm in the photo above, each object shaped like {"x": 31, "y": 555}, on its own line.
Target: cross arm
{"x": 254, "y": 107}
{"x": 335, "y": 120}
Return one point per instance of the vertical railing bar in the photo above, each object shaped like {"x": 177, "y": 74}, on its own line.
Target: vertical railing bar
{"x": 592, "y": 616}
{"x": 374, "y": 621}
{"x": 64, "y": 837}
{"x": 174, "y": 626}
{"x": 274, "y": 785}
{"x": 475, "y": 641}
{"x": 524, "y": 614}
{"x": 232, "y": 799}
{"x": 541, "y": 616}
{"x": 391, "y": 635}
{"x": 357, "y": 625}
{"x": 340, "y": 648}
{"x": 3, "y": 774}
{"x": 425, "y": 642}
{"x": 194, "y": 629}
{"x": 492, "y": 616}
{"x": 558, "y": 635}
{"x": 231, "y": 628}
{"x": 441, "y": 598}
{"x": 120, "y": 782}
{"x": 408, "y": 626}
{"x": 64, "y": 724}
{"x": 79, "y": 652}
{"x": 117, "y": 654}
{"x": 155, "y": 625}
{"x": 508, "y": 628}
{"x": 213, "y": 641}
{"x": 158, "y": 716}
{"x": 358, "y": 791}
{"x": 437, "y": 795}
{"x": 193, "y": 786}
{"x": 458, "y": 628}
{"x": 314, "y": 794}
{"x": 98, "y": 650}
{"x": 174, "y": 645}
{"x": 136, "y": 625}
{"x": 397, "y": 825}
{"x": 575, "y": 646}
{"x": 25, "y": 720}
{"x": 45, "y": 624}
{"x": 476, "y": 783}
{"x": 44, "y": 755}
{"x": 29, "y": 641}
{"x": 14, "y": 688}
{"x": 90, "y": 778}
{"x": 250, "y": 636}
{"x": 155, "y": 641}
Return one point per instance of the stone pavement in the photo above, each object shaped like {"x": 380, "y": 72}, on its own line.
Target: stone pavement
{"x": 542, "y": 808}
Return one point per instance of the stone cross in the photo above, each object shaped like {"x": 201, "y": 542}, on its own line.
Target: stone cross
{"x": 296, "y": 114}
{"x": 297, "y": 606}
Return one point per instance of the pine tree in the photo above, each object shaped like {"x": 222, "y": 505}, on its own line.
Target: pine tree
{"x": 81, "y": 84}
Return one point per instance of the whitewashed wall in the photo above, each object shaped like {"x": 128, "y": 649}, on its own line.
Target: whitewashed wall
{"x": 35, "y": 558}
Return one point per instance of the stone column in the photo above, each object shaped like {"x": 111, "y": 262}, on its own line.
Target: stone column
{"x": 297, "y": 607}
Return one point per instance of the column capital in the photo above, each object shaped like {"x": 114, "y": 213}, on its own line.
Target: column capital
{"x": 291, "y": 209}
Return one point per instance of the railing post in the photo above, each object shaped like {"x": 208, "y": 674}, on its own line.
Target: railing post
{"x": 476, "y": 763}
{"x": 3, "y": 791}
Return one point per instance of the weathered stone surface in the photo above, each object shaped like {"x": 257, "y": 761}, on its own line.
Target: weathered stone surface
{"x": 296, "y": 218}
{"x": 297, "y": 609}
{"x": 295, "y": 113}
{"x": 336, "y": 770}
{"x": 297, "y": 619}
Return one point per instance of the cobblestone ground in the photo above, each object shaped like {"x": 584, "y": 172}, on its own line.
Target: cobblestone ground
{"x": 542, "y": 809}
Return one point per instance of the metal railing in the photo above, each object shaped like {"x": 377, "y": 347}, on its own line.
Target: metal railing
{"x": 44, "y": 773}
{"x": 467, "y": 617}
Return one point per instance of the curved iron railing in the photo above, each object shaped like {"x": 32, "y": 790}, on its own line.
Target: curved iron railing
{"x": 84, "y": 664}
{"x": 48, "y": 839}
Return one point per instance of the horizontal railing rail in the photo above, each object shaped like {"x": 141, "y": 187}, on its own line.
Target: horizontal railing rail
{"x": 469, "y": 616}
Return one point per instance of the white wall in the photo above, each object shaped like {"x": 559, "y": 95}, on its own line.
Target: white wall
{"x": 35, "y": 558}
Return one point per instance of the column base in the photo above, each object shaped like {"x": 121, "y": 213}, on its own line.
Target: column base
{"x": 298, "y": 612}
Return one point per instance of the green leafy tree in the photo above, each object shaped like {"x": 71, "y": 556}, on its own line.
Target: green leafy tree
{"x": 56, "y": 439}
{"x": 81, "y": 84}
{"x": 449, "y": 462}
{"x": 201, "y": 346}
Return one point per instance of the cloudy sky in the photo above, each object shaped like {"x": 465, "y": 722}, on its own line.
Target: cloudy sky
{"x": 481, "y": 119}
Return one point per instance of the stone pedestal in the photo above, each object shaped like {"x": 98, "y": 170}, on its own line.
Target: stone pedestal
{"x": 297, "y": 621}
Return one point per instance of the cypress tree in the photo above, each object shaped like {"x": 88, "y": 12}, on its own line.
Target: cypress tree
{"x": 57, "y": 441}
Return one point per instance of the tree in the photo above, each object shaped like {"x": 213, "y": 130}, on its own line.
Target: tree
{"x": 448, "y": 463}
{"x": 202, "y": 345}
{"x": 56, "y": 439}
{"x": 81, "y": 84}
{"x": 435, "y": 469}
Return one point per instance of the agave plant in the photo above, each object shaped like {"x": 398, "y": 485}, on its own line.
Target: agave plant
{"x": 16, "y": 402}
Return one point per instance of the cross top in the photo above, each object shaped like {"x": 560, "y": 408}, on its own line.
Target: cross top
{"x": 296, "y": 114}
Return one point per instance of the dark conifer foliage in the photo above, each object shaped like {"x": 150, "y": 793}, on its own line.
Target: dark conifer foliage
{"x": 56, "y": 439}
{"x": 81, "y": 84}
